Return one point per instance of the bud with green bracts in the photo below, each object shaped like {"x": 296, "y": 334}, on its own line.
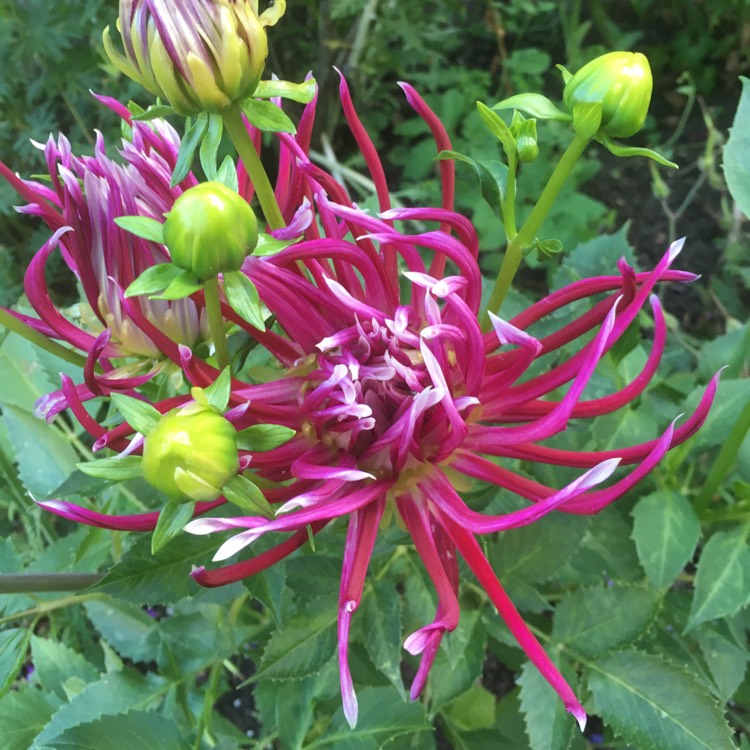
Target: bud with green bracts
{"x": 621, "y": 82}
{"x": 210, "y": 230}
{"x": 191, "y": 453}
{"x": 199, "y": 55}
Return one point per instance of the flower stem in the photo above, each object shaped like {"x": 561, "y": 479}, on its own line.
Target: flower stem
{"x": 216, "y": 322}
{"x": 12, "y": 323}
{"x": 514, "y": 251}
{"x": 247, "y": 152}
{"x": 25, "y": 583}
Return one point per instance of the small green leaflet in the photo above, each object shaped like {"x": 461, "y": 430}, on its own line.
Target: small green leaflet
{"x": 117, "y": 469}
{"x": 154, "y": 112}
{"x": 217, "y": 394}
{"x": 496, "y": 125}
{"x": 267, "y": 116}
{"x": 182, "y": 285}
{"x": 193, "y": 136}
{"x": 172, "y": 519}
{"x": 736, "y": 158}
{"x": 210, "y": 146}
{"x": 13, "y": 644}
{"x": 153, "y": 280}
{"x": 243, "y": 298}
{"x": 493, "y": 177}
{"x": 587, "y": 118}
{"x": 245, "y": 495}
{"x": 141, "y": 416}
{"x": 268, "y": 245}
{"x": 535, "y": 105}
{"x": 142, "y": 226}
{"x": 227, "y": 174}
{"x": 298, "y": 92}
{"x": 264, "y": 437}
{"x": 619, "y": 150}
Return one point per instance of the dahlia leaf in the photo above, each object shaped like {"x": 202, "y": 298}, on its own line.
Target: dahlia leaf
{"x": 143, "y": 227}
{"x": 241, "y": 492}
{"x": 266, "y": 116}
{"x": 736, "y": 157}
{"x": 264, "y": 437}
{"x": 722, "y": 580}
{"x": 303, "y": 92}
{"x": 154, "y": 279}
{"x": 217, "y": 394}
{"x": 493, "y": 178}
{"x": 497, "y": 126}
{"x": 23, "y": 715}
{"x": 181, "y": 286}
{"x": 653, "y": 705}
{"x": 172, "y": 517}
{"x": 535, "y": 105}
{"x": 243, "y": 298}
{"x": 665, "y": 531}
{"x": 593, "y": 621}
{"x": 619, "y": 150}
{"x": 126, "y": 627}
{"x": 140, "y": 415}
{"x": 725, "y": 655}
{"x": 193, "y": 136}
{"x": 13, "y": 646}
{"x": 116, "y": 469}
{"x": 474, "y": 709}
{"x": 55, "y": 663}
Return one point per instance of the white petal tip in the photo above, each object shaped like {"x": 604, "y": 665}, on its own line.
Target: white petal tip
{"x": 675, "y": 248}
{"x": 579, "y": 715}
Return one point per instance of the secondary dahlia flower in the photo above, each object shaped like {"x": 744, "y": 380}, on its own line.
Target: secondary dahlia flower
{"x": 397, "y": 397}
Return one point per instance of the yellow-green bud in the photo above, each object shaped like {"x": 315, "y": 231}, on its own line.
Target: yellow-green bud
{"x": 199, "y": 55}
{"x": 527, "y": 146}
{"x": 621, "y": 82}
{"x": 191, "y": 453}
{"x": 210, "y": 230}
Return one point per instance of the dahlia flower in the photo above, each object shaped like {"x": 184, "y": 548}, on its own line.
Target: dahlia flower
{"x": 397, "y": 397}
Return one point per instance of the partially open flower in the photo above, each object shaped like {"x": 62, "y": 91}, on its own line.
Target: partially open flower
{"x": 621, "y": 82}
{"x": 200, "y": 55}
{"x": 210, "y": 230}
{"x": 191, "y": 453}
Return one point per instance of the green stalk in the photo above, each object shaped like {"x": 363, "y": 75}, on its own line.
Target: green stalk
{"x": 216, "y": 321}
{"x": 246, "y": 149}
{"x": 514, "y": 251}
{"x": 25, "y": 583}
{"x": 12, "y": 323}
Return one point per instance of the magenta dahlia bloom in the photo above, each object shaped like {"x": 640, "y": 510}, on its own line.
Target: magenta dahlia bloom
{"x": 397, "y": 397}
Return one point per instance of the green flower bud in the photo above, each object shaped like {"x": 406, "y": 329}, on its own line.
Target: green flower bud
{"x": 199, "y": 55}
{"x": 527, "y": 147}
{"x": 210, "y": 230}
{"x": 621, "y": 82}
{"x": 191, "y": 453}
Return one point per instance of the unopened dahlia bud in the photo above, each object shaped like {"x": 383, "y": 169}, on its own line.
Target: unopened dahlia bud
{"x": 199, "y": 55}
{"x": 210, "y": 230}
{"x": 621, "y": 82}
{"x": 527, "y": 146}
{"x": 191, "y": 453}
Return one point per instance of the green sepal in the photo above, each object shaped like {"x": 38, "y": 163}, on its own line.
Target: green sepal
{"x": 266, "y": 116}
{"x": 193, "y": 136}
{"x": 496, "y": 125}
{"x": 619, "y": 150}
{"x": 264, "y": 437}
{"x": 493, "y": 178}
{"x": 241, "y": 492}
{"x": 268, "y": 245}
{"x": 587, "y": 119}
{"x": 243, "y": 298}
{"x": 210, "y": 146}
{"x": 546, "y": 249}
{"x": 217, "y": 394}
{"x": 565, "y": 73}
{"x": 154, "y": 112}
{"x": 182, "y": 285}
{"x": 142, "y": 226}
{"x": 142, "y": 417}
{"x": 172, "y": 519}
{"x": 153, "y": 280}
{"x": 303, "y": 92}
{"x": 226, "y": 174}
{"x": 535, "y": 105}
{"x": 114, "y": 468}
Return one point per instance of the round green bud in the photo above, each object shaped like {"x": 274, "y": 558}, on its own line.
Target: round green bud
{"x": 527, "y": 146}
{"x": 210, "y": 230}
{"x": 621, "y": 82}
{"x": 191, "y": 453}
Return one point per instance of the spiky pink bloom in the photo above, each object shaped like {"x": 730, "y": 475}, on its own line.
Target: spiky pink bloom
{"x": 395, "y": 392}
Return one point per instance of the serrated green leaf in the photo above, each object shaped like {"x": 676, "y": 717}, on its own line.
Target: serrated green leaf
{"x": 153, "y": 279}
{"x": 264, "y": 437}
{"x": 126, "y": 627}
{"x": 623, "y": 151}
{"x": 472, "y": 710}
{"x": 665, "y": 531}
{"x": 116, "y": 469}
{"x": 23, "y": 715}
{"x": 133, "y": 730}
{"x": 294, "y": 698}
{"x": 301, "y": 647}
{"x": 172, "y": 518}
{"x": 140, "y": 415}
{"x": 181, "y": 286}
{"x": 548, "y": 725}
{"x": 217, "y": 394}
{"x": 656, "y": 706}
{"x": 266, "y": 116}
{"x": 143, "y": 578}
{"x": 496, "y": 125}
{"x": 210, "y": 146}
{"x": 193, "y": 136}
{"x": 243, "y": 298}
{"x": 13, "y": 645}
{"x": 55, "y": 663}
{"x": 142, "y": 226}
{"x": 303, "y": 92}
{"x": 596, "y": 620}
{"x": 381, "y": 620}
{"x": 726, "y": 659}
{"x": 736, "y": 156}
{"x": 240, "y": 491}
{"x": 493, "y": 177}
{"x": 722, "y": 580}
{"x": 268, "y": 245}
{"x": 535, "y": 105}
